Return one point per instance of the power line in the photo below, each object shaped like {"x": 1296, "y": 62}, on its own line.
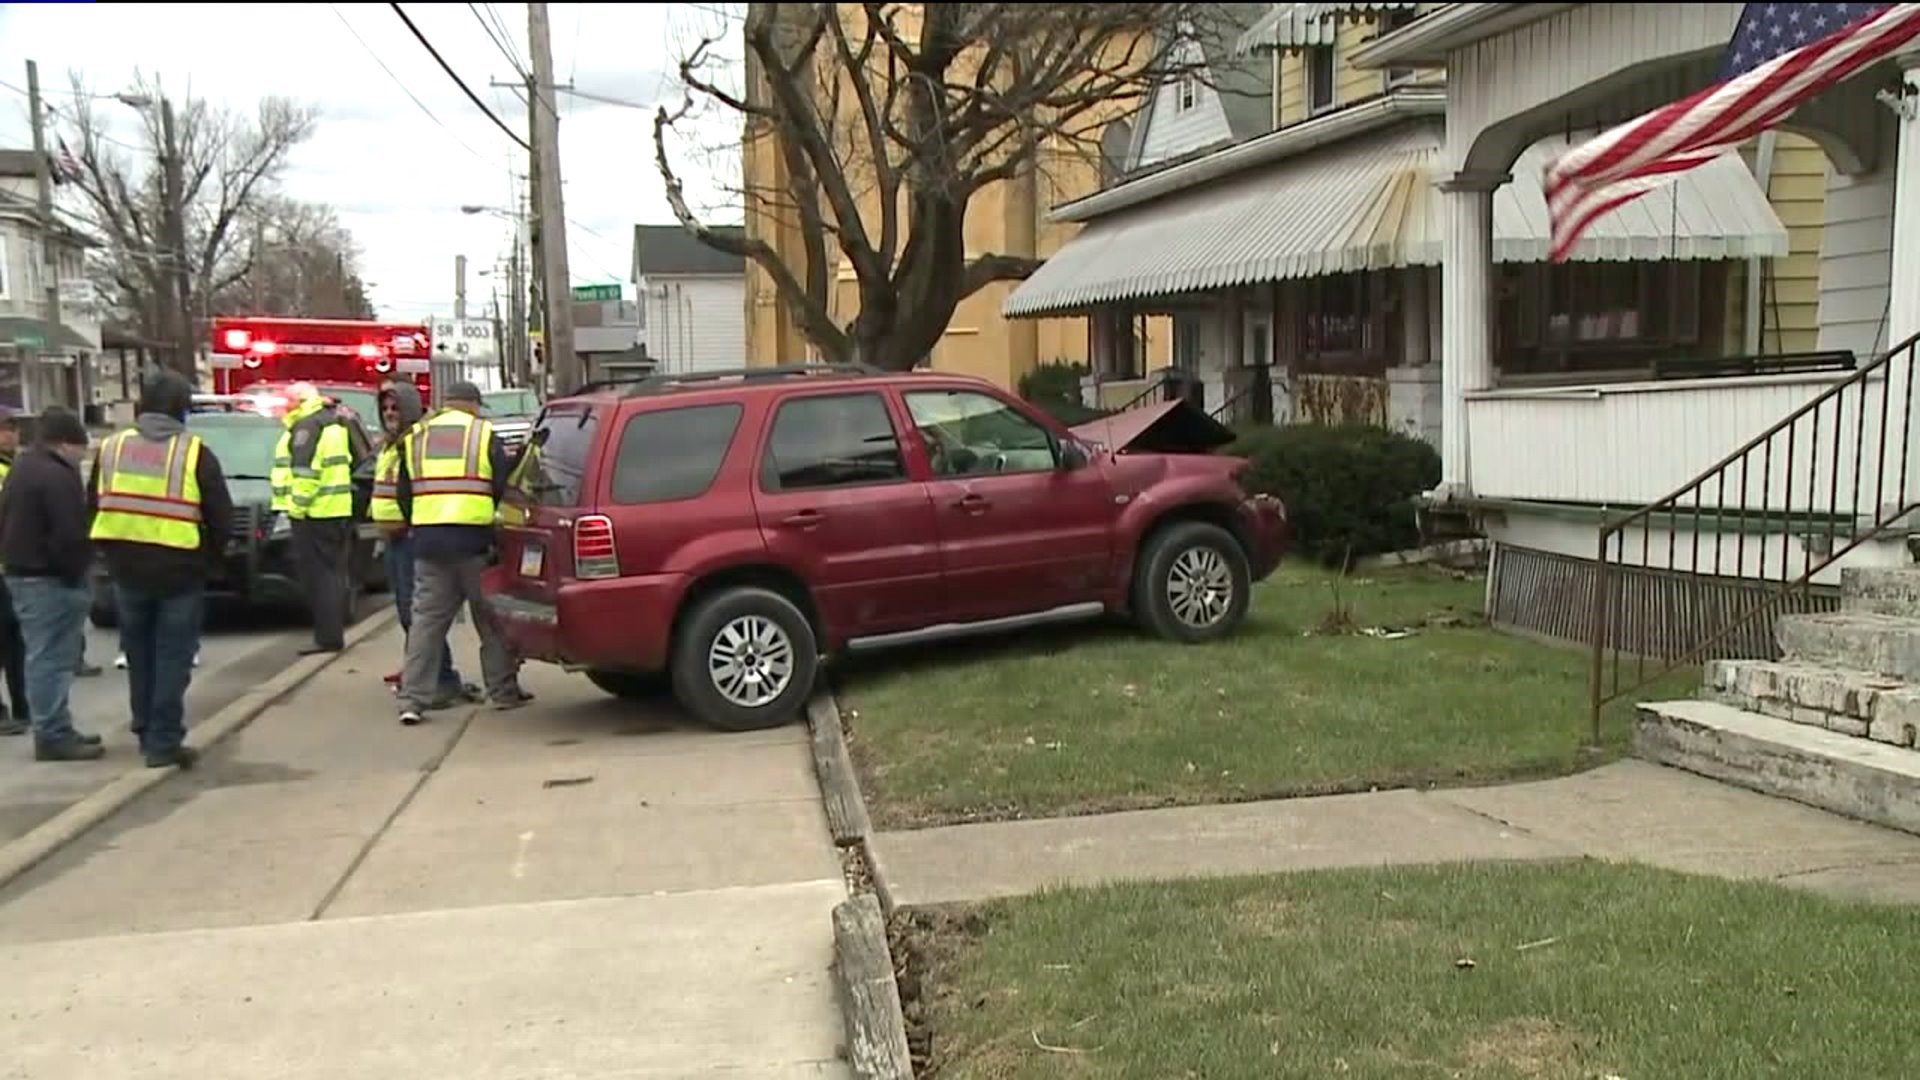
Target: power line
{"x": 411, "y": 96}
{"x": 458, "y": 81}
{"x": 512, "y": 57}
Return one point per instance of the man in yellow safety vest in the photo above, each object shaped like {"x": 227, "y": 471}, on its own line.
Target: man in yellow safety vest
{"x": 400, "y": 410}
{"x": 161, "y": 518}
{"x": 313, "y": 485}
{"x": 452, "y": 474}
{"x": 13, "y": 647}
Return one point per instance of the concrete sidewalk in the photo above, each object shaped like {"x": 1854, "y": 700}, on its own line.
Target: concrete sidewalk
{"x": 1629, "y": 810}
{"x": 235, "y": 657}
{"x": 584, "y": 888}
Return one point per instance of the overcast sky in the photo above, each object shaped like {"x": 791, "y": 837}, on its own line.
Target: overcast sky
{"x": 397, "y": 175}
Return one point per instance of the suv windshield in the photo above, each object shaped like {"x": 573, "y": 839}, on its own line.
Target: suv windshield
{"x": 244, "y": 443}
{"x": 553, "y": 469}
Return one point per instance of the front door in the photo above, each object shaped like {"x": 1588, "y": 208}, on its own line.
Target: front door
{"x": 836, "y": 502}
{"x": 1018, "y": 534}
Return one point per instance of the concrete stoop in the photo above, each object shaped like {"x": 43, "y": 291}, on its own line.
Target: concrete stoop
{"x": 1833, "y": 723}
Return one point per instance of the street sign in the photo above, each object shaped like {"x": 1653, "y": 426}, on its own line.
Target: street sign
{"x": 27, "y": 339}
{"x": 596, "y": 292}
{"x": 463, "y": 339}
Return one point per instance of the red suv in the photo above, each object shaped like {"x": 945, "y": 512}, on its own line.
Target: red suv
{"x": 731, "y": 529}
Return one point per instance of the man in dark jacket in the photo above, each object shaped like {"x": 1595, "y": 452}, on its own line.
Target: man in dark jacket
{"x": 43, "y": 545}
{"x": 13, "y": 648}
{"x": 400, "y": 410}
{"x": 160, "y": 563}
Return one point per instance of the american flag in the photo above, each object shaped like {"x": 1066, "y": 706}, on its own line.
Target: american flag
{"x": 65, "y": 165}
{"x": 1780, "y": 56}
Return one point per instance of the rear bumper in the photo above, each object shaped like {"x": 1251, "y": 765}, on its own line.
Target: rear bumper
{"x": 1263, "y": 524}
{"x": 623, "y": 623}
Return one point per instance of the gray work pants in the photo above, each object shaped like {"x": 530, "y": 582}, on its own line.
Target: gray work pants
{"x": 440, "y": 586}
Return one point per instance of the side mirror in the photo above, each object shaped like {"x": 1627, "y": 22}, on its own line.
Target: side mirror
{"x": 1072, "y": 456}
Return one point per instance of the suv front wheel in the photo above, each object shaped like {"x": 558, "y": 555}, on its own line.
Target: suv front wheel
{"x": 745, "y": 660}
{"x": 1191, "y": 583}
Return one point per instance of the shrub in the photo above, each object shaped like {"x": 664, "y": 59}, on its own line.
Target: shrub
{"x": 1055, "y": 388}
{"x": 1349, "y": 489}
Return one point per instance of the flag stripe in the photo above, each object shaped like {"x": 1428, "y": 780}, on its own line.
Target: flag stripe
{"x": 1633, "y": 158}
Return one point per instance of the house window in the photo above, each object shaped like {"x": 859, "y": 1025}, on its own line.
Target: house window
{"x": 1338, "y": 328}
{"x": 1259, "y": 350}
{"x": 1186, "y": 342}
{"x": 5, "y": 283}
{"x": 1319, "y": 79}
{"x": 1392, "y": 20}
{"x": 1189, "y": 94}
{"x": 1607, "y": 317}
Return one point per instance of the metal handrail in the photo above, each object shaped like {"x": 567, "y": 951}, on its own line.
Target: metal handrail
{"x": 1607, "y": 623}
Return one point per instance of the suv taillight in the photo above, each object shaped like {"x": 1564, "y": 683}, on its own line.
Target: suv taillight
{"x": 593, "y": 553}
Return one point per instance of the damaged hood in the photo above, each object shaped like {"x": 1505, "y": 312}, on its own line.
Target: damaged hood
{"x": 1167, "y": 427}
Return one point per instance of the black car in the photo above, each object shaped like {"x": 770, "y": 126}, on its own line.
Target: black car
{"x": 258, "y": 569}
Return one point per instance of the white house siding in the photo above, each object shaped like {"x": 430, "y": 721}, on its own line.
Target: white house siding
{"x": 1173, "y": 131}
{"x": 696, "y": 322}
{"x": 1856, "y": 261}
{"x": 1627, "y": 445}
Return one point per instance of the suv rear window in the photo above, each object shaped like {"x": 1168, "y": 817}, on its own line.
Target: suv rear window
{"x": 556, "y": 467}
{"x": 671, "y": 454}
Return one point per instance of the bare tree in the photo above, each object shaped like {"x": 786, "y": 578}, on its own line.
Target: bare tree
{"x": 224, "y": 165}
{"x": 302, "y": 261}
{"x": 888, "y": 119}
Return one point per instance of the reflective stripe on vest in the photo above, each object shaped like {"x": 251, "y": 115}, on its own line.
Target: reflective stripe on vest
{"x": 450, "y": 471}
{"x": 281, "y": 476}
{"x": 386, "y": 485}
{"x": 323, "y": 488}
{"x": 149, "y": 491}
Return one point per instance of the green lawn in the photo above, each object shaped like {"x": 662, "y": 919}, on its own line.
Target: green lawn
{"x": 1086, "y": 719}
{"x": 1578, "y": 971}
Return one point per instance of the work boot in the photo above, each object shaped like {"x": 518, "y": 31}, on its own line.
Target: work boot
{"x": 86, "y": 670}
{"x": 184, "y": 756}
{"x": 317, "y": 649}
{"x": 14, "y": 725}
{"x": 68, "y": 750}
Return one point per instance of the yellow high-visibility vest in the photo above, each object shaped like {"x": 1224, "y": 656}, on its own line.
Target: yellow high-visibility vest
{"x": 450, "y": 470}
{"x": 323, "y": 488}
{"x": 385, "y": 507}
{"x": 149, "y": 490}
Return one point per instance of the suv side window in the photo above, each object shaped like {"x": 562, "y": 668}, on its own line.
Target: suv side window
{"x": 671, "y": 454}
{"x": 553, "y": 468}
{"x": 969, "y": 433}
{"x": 832, "y": 440}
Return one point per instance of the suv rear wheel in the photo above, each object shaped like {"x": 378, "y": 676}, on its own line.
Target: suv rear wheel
{"x": 1191, "y": 583}
{"x": 745, "y": 660}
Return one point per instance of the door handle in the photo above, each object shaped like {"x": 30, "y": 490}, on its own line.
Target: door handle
{"x": 972, "y": 503}
{"x": 804, "y": 519}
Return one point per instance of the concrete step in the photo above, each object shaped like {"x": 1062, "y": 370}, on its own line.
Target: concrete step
{"x": 1853, "y": 640}
{"x": 1856, "y": 777}
{"x": 1881, "y": 591}
{"x": 1856, "y": 703}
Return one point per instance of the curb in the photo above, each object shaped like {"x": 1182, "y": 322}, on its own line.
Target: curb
{"x": 863, "y": 964}
{"x": 25, "y": 852}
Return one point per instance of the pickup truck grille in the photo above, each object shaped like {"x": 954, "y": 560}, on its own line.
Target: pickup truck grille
{"x": 245, "y": 520}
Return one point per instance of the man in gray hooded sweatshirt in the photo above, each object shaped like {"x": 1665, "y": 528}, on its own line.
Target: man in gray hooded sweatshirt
{"x": 400, "y": 409}
{"x": 159, "y": 588}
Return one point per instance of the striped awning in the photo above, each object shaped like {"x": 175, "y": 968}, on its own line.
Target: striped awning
{"x": 1294, "y": 26}
{"x": 1370, "y": 204}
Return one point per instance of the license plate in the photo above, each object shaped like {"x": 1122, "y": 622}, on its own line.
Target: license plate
{"x": 532, "y": 560}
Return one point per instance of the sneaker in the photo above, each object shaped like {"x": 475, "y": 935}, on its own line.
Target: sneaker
{"x": 120, "y": 662}
{"x": 412, "y": 718}
{"x": 196, "y": 659}
{"x": 13, "y": 725}
{"x": 86, "y": 670}
{"x": 68, "y": 750}
{"x": 393, "y": 678}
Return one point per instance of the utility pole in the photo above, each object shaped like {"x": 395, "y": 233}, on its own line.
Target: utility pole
{"x": 460, "y": 288}
{"x": 43, "y": 178}
{"x": 517, "y": 318}
{"x": 550, "y": 211}
{"x": 172, "y": 194}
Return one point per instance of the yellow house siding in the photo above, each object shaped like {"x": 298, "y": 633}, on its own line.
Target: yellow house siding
{"x": 1350, "y": 83}
{"x": 1798, "y": 191}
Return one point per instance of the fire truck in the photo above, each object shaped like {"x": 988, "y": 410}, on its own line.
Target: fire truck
{"x": 262, "y": 349}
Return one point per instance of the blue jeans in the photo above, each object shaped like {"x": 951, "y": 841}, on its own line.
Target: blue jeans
{"x": 53, "y": 620}
{"x": 159, "y": 633}
{"x": 399, "y": 560}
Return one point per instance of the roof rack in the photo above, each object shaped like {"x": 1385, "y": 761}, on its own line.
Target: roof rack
{"x": 655, "y": 383}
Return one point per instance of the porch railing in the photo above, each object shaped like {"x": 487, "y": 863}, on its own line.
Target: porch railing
{"x": 1797, "y": 485}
